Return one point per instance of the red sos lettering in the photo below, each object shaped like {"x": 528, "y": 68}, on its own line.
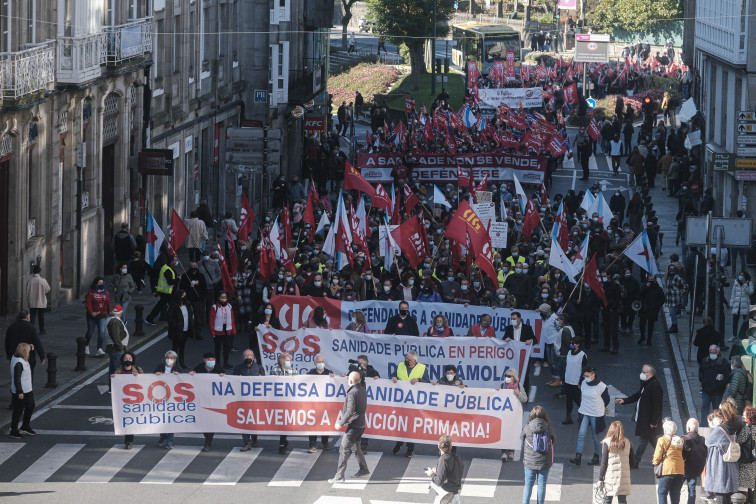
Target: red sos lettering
{"x": 310, "y": 344}
{"x": 158, "y": 391}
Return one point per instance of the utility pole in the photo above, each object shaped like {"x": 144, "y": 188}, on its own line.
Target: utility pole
{"x": 433, "y": 52}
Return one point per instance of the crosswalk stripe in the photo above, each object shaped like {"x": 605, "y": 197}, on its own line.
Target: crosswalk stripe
{"x": 532, "y": 394}
{"x": 333, "y": 499}
{"x": 553, "y": 484}
{"x": 49, "y": 463}
{"x": 569, "y": 162}
{"x": 414, "y": 479}
{"x": 171, "y": 465}
{"x": 353, "y": 466}
{"x": 592, "y": 164}
{"x": 482, "y": 478}
{"x": 109, "y": 464}
{"x": 233, "y": 467}
{"x": 537, "y": 371}
{"x": 294, "y": 469}
{"x": 8, "y": 449}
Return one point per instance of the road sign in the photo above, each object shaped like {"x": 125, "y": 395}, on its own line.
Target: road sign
{"x": 723, "y": 161}
{"x": 747, "y": 128}
{"x": 749, "y": 175}
{"x": 745, "y": 163}
{"x": 590, "y": 48}
{"x": 737, "y": 232}
{"x": 746, "y": 115}
{"x": 591, "y": 103}
{"x": 261, "y": 96}
{"x": 747, "y": 151}
{"x": 747, "y": 140}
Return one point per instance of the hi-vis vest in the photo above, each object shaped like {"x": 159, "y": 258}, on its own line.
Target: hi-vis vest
{"x": 416, "y": 373}
{"x": 163, "y": 286}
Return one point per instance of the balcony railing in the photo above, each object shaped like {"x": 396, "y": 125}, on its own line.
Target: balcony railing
{"x": 128, "y": 40}
{"x": 28, "y": 71}
{"x": 80, "y": 58}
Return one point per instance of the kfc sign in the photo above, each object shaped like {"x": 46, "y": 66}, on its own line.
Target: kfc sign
{"x": 314, "y": 123}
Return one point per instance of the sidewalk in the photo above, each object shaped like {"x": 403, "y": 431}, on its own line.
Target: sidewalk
{"x": 64, "y": 325}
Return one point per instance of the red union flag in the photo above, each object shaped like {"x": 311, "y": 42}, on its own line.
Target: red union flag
{"x": 245, "y": 220}
{"x": 409, "y": 237}
{"x": 509, "y": 73}
{"x": 409, "y": 104}
{"x": 353, "y": 179}
{"x": 466, "y": 223}
{"x": 570, "y": 94}
{"x": 381, "y": 198}
{"x": 594, "y": 130}
{"x": 178, "y": 233}
{"x": 410, "y": 199}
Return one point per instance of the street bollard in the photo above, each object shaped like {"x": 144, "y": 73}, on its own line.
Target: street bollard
{"x": 139, "y": 328}
{"x": 661, "y": 244}
{"x": 52, "y": 370}
{"x": 81, "y": 357}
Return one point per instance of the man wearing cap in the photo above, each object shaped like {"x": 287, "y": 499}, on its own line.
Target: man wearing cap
{"x": 119, "y": 338}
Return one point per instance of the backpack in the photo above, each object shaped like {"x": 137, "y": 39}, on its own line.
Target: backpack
{"x": 732, "y": 454}
{"x": 541, "y": 442}
{"x": 747, "y": 454}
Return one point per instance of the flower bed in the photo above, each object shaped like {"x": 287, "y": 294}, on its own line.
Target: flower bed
{"x": 369, "y": 79}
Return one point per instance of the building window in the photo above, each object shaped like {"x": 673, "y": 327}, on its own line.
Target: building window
{"x": 33, "y": 173}
{"x": 5, "y": 25}
{"x": 32, "y": 20}
{"x": 724, "y": 106}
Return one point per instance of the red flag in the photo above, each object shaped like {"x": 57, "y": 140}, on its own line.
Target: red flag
{"x": 343, "y": 242}
{"x": 428, "y": 131}
{"x": 410, "y": 239}
{"x": 396, "y": 216}
{"x": 286, "y": 261}
{"x": 570, "y": 94}
{"x": 381, "y": 198}
{"x": 562, "y": 232}
{"x": 462, "y": 178}
{"x": 286, "y": 225}
{"x": 457, "y": 229}
{"x": 465, "y": 223}
{"x": 309, "y": 215}
{"x": 451, "y": 145}
{"x": 357, "y": 235}
{"x": 594, "y": 130}
{"x": 471, "y": 186}
{"x": 228, "y": 285}
{"x": 409, "y": 104}
{"x": 483, "y": 184}
{"x": 354, "y": 180}
{"x": 245, "y": 220}
{"x": 410, "y": 199}
{"x": 178, "y": 233}
{"x": 592, "y": 278}
{"x": 314, "y": 190}
{"x": 544, "y": 195}
{"x": 233, "y": 259}
{"x": 531, "y": 219}
{"x": 368, "y": 140}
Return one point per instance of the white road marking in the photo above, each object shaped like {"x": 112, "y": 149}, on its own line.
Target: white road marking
{"x": 532, "y": 394}
{"x": 672, "y": 393}
{"x": 414, "y": 479}
{"x": 8, "y": 449}
{"x": 294, "y": 469}
{"x": 45, "y": 466}
{"x": 333, "y": 499}
{"x": 482, "y": 478}
{"x": 614, "y": 393}
{"x": 110, "y": 464}
{"x": 353, "y": 465}
{"x": 172, "y": 465}
{"x": 233, "y": 467}
{"x": 553, "y": 484}
{"x": 80, "y": 407}
{"x": 593, "y": 165}
{"x": 574, "y": 178}
{"x": 537, "y": 371}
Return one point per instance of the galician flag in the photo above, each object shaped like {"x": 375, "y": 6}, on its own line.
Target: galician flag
{"x": 439, "y": 198}
{"x": 640, "y": 253}
{"x": 155, "y": 238}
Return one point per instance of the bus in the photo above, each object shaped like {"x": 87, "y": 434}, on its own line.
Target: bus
{"x": 484, "y": 43}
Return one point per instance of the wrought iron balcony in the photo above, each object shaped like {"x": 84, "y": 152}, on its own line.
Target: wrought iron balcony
{"x": 128, "y": 40}
{"x": 28, "y": 71}
{"x": 80, "y": 58}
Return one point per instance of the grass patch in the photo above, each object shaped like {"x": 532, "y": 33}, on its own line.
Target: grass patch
{"x": 368, "y": 79}
{"x": 419, "y": 89}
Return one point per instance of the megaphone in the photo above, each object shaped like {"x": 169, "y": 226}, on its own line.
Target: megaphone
{"x": 636, "y": 306}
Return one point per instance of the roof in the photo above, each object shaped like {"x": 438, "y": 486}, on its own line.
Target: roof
{"x": 486, "y": 28}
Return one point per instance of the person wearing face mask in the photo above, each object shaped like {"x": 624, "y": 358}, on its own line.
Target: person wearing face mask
{"x": 197, "y": 235}
{"x": 721, "y": 477}
{"x": 427, "y": 293}
{"x": 466, "y": 295}
{"x": 631, "y": 288}
{"x": 552, "y": 339}
{"x": 515, "y": 257}
{"x": 446, "y": 477}
{"x": 440, "y": 328}
{"x": 609, "y": 313}
{"x": 320, "y": 369}
{"x": 713, "y": 374}
{"x": 449, "y": 287}
{"x": 594, "y": 399}
{"x": 519, "y": 331}
{"x": 575, "y": 362}
{"x": 617, "y": 205}
{"x": 676, "y": 288}
{"x": 193, "y": 283}
{"x": 123, "y": 286}
{"x": 350, "y": 294}
{"x": 285, "y": 367}
{"x": 648, "y": 410}
{"x": 180, "y": 323}
{"x": 353, "y": 417}
{"x": 97, "y": 303}
{"x": 450, "y": 377}
{"x": 317, "y": 289}
{"x": 402, "y": 324}
{"x": 119, "y": 338}
{"x": 412, "y": 371}
{"x": 652, "y": 299}
{"x": 317, "y": 319}
{"x": 168, "y": 365}
{"x": 222, "y": 327}
{"x": 128, "y": 365}
{"x": 335, "y": 289}
{"x": 167, "y": 281}
{"x": 248, "y": 367}
{"x": 740, "y": 300}
{"x": 520, "y": 286}
{"x": 483, "y": 329}
{"x": 408, "y": 286}
{"x": 207, "y": 366}
{"x": 388, "y": 293}
{"x": 211, "y": 272}
{"x": 358, "y": 323}
{"x": 512, "y": 382}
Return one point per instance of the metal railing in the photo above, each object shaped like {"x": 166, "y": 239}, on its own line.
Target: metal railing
{"x": 128, "y": 40}
{"x": 80, "y": 58}
{"x": 27, "y": 71}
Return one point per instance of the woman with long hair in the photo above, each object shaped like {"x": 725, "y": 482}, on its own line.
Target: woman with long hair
{"x": 538, "y": 453}
{"x": 747, "y": 435}
{"x": 617, "y": 458}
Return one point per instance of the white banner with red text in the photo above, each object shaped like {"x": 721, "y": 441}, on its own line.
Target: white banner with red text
{"x": 442, "y": 168}
{"x": 312, "y": 405}
{"x": 480, "y": 362}
{"x": 512, "y": 97}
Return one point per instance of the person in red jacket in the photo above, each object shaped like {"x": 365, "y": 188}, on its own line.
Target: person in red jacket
{"x": 98, "y": 311}
{"x": 222, "y": 327}
{"x": 484, "y": 329}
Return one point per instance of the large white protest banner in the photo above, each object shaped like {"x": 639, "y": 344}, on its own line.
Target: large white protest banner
{"x": 311, "y": 405}
{"x": 294, "y": 311}
{"x": 480, "y": 362}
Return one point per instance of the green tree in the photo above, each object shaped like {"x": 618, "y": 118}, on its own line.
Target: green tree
{"x": 347, "y": 6}
{"x": 411, "y": 22}
{"x": 632, "y": 15}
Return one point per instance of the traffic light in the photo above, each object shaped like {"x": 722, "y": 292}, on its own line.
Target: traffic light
{"x": 647, "y": 100}
{"x": 750, "y": 341}
{"x": 438, "y": 66}
{"x": 446, "y": 66}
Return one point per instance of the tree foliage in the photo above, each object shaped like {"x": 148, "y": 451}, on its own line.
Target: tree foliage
{"x": 632, "y": 15}
{"x": 410, "y": 22}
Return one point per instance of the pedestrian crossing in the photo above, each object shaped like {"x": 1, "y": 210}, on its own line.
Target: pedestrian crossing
{"x": 145, "y": 464}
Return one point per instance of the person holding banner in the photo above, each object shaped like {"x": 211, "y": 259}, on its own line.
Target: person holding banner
{"x": 222, "y": 327}
{"x": 128, "y": 366}
{"x": 353, "y": 416}
{"x": 483, "y": 329}
{"x": 402, "y": 324}
{"x": 409, "y": 370}
{"x": 168, "y": 365}
{"x": 358, "y": 323}
{"x": 248, "y": 367}
{"x": 512, "y": 382}
{"x": 285, "y": 367}
{"x": 207, "y": 366}
{"x": 319, "y": 370}
{"x": 440, "y": 328}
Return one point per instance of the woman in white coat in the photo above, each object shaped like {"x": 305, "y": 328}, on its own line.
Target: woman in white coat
{"x": 617, "y": 457}
{"x": 740, "y": 300}
{"x": 512, "y": 382}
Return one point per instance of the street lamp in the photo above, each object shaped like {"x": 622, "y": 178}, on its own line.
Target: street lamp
{"x": 433, "y": 52}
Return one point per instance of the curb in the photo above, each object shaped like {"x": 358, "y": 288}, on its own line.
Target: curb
{"x": 91, "y": 371}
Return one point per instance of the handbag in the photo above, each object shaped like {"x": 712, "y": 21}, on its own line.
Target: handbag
{"x": 659, "y": 467}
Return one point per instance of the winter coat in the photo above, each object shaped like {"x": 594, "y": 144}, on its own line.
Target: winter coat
{"x": 176, "y": 322}
{"x": 707, "y": 375}
{"x": 694, "y": 454}
{"x": 122, "y": 286}
{"x": 97, "y": 302}
{"x": 721, "y": 476}
{"x": 36, "y": 290}
{"x": 740, "y": 297}
{"x": 737, "y": 387}
{"x": 197, "y": 233}
{"x": 615, "y": 468}
{"x": 677, "y": 287}
{"x": 533, "y": 459}
{"x": 652, "y": 299}
{"x": 670, "y": 450}
{"x": 650, "y": 398}
{"x": 746, "y": 472}
{"x": 705, "y": 337}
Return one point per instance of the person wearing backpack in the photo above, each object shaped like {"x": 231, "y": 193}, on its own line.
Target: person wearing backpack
{"x": 617, "y": 458}
{"x": 738, "y": 383}
{"x": 537, "y": 454}
{"x": 669, "y": 454}
{"x": 721, "y": 470}
{"x": 747, "y": 463}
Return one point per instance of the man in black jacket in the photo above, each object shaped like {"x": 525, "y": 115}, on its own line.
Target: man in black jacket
{"x": 610, "y": 313}
{"x": 193, "y": 283}
{"x": 520, "y": 331}
{"x": 648, "y": 412}
{"x": 713, "y": 373}
{"x": 208, "y": 366}
{"x": 248, "y": 367}
{"x": 694, "y": 455}
{"x": 402, "y": 324}
{"x": 22, "y": 331}
{"x": 446, "y": 477}
{"x": 353, "y": 416}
